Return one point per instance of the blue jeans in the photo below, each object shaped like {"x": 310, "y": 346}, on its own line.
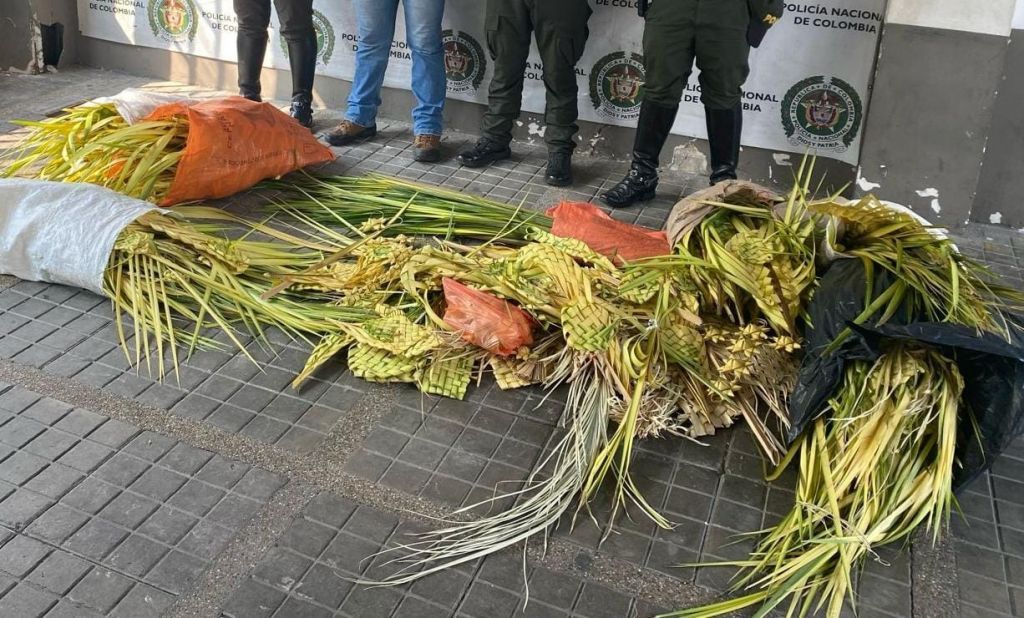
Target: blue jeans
{"x": 376, "y": 20}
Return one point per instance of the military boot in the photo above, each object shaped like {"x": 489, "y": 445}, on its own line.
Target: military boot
{"x": 640, "y": 183}
{"x": 302, "y": 57}
{"x": 559, "y": 171}
{"x": 724, "y": 129}
{"x": 251, "y": 50}
{"x": 484, "y": 152}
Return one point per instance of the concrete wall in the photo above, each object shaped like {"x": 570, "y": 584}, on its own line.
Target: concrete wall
{"x": 19, "y": 37}
{"x": 1001, "y": 186}
{"x": 940, "y": 63}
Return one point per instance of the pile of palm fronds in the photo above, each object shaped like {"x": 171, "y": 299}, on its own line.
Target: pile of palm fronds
{"x": 373, "y": 202}
{"x": 172, "y": 273}
{"x": 682, "y": 344}
{"x": 931, "y": 280}
{"x": 92, "y": 143}
{"x": 877, "y": 464}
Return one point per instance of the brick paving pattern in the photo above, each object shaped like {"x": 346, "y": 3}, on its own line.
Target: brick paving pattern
{"x": 100, "y": 518}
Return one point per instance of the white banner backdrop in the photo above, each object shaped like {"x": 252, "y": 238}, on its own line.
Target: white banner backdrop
{"x": 807, "y": 90}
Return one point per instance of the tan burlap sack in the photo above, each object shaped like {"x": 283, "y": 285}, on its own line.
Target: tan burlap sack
{"x": 690, "y": 210}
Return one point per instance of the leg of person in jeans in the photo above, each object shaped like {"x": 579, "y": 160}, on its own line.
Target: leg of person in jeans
{"x": 429, "y": 83}
{"x": 376, "y": 24}
{"x": 253, "y": 21}
{"x": 296, "y": 18}
{"x": 508, "y": 40}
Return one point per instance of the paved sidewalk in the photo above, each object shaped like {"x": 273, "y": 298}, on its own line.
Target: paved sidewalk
{"x": 227, "y": 493}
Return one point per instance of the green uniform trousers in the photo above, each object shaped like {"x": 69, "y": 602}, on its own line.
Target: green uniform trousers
{"x": 560, "y": 27}
{"x": 714, "y": 32}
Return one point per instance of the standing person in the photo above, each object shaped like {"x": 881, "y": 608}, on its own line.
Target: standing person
{"x": 560, "y": 27}
{"x": 719, "y": 35}
{"x": 296, "y": 17}
{"x": 376, "y": 23}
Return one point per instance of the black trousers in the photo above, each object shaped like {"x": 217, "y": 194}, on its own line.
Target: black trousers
{"x": 296, "y": 17}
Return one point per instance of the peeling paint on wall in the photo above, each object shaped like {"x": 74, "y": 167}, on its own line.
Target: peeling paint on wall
{"x": 864, "y": 184}
{"x": 689, "y": 159}
{"x": 933, "y": 193}
{"x": 21, "y": 44}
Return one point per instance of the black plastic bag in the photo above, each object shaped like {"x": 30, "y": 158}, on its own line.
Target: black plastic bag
{"x": 992, "y": 366}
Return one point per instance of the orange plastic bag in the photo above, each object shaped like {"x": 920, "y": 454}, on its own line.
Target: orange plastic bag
{"x": 233, "y": 143}
{"x": 485, "y": 320}
{"x": 613, "y": 239}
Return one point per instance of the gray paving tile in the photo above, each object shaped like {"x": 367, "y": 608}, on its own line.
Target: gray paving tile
{"x": 26, "y": 600}
{"x": 447, "y": 454}
{"x": 309, "y": 572}
{"x": 143, "y": 601}
{"x": 223, "y": 388}
{"x": 111, "y": 532}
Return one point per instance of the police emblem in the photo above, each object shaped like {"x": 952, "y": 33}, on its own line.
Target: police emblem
{"x": 616, "y": 85}
{"x": 823, "y": 113}
{"x": 464, "y": 61}
{"x": 173, "y": 20}
{"x": 324, "y": 38}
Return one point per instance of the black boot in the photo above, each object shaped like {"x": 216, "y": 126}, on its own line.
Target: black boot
{"x": 302, "y": 57}
{"x": 724, "y": 129}
{"x": 559, "y": 172}
{"x": 484, "y": 152}
{"x": 251, "y": 49}
{"x": 640, "y": 183}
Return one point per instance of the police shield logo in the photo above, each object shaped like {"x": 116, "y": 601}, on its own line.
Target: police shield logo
{"x": 324, "y": 38}
{"x": 173, "y": 20}
{"x": 616, "y": 85}
{"x": 823, "y": 113}
{"x": 464, "y": 61}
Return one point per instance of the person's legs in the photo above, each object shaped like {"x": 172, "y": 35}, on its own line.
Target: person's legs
{"x": 376, "y": 24}
{"x": 668, "y": 60}
{"x": 722, "y": 56}
{"x": 561, "y": 31}
{"x": 296, "y": 18}
{"x": 508, "y": 41}
{"x": 253, "y": 21}
{"x": 429, "y": 82}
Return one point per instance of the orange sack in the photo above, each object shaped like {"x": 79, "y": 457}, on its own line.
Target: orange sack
{"x": 612, "y": 239}
{"x": 233, "y": 143}
{"x": 485, "y": 320}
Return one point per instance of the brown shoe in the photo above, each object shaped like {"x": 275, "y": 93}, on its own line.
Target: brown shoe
{"x": 349, "y": 132}
{"x": 428, "y": 148}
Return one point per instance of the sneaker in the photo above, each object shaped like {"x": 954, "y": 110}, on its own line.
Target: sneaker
{"x": 484, "y": 153}
{"x": 349, "y": 132}
{"x": 428, "y": 148}
{"x": 302, "y": 113}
